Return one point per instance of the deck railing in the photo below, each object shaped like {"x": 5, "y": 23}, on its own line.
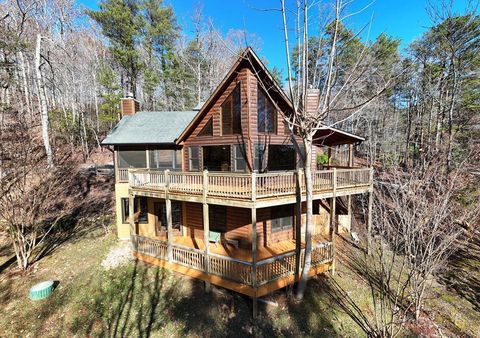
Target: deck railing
{"x": 122, "y": 175}
{"x": 246, "y": 186}
{"x": 267, "y": 270}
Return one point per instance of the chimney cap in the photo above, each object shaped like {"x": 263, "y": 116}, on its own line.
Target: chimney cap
{"x": 130, "y": 95}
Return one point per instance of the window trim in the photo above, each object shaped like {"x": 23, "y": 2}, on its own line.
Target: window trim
{"x": 125, "y": 204}
{"x": 190, "y": 158}
{"x": 241, "y": 149}
{"x": 207, "y": 129}
{"x": 230, "y": 100}
{"x": 266, "y": 101}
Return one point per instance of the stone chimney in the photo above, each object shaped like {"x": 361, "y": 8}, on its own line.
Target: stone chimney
{"x": 129, "y": 105}
{"x": 313, "y": 97}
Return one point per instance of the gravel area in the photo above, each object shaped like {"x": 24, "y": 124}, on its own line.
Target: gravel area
{"x": 118, "y": 256}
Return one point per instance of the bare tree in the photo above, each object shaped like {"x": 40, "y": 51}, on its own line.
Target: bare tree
{"x": 332, "y": 100}
{"x": 32, "y": 195}
{"x": 420, "y": 222}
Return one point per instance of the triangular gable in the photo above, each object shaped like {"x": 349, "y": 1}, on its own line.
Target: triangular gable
{"x": 248, "y": 59}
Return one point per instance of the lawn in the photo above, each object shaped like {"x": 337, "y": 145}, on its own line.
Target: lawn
{"x": 141, "y": 300}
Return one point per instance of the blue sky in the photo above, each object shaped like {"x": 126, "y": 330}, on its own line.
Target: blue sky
{"x": 403, "y": 19}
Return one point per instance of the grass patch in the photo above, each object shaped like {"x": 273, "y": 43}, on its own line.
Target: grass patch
{"x": 141, "y": 300}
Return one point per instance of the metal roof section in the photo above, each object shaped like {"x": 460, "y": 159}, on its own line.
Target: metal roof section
{"x": 150, "y": 127}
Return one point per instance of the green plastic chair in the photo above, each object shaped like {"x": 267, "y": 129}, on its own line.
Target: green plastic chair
{"x": 214, "y": 237}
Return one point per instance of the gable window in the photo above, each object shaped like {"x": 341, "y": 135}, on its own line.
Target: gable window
{"x": 239, "y": 157}
{"x": 217, "y": 218}
{"x": 259, "y": 157}
{"x": 282, "y": 218}
{"x": 193, "y": 159}
{"x": 232, "y": 113}
{"x": 165, "y": 159}
{"x": 207, "y": 129}
{"x": 265, "y": 113}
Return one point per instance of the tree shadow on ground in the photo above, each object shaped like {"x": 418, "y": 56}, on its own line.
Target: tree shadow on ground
{"x": 462, "y": 274}
{"x": 148, "y": 300}
{"x": 314, "y": 313}
{"x": 134, "y": 302}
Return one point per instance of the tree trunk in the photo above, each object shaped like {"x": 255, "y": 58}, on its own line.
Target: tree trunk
{"x": 43, "y": 103}
{"x": 307, "y": 142}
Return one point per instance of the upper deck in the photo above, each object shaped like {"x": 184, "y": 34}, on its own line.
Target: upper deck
{"x": 247, "y": 190}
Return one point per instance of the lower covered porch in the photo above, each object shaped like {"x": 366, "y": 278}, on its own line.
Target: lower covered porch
{"x": 274, "y": 267}
{"x": 247, "y": 250}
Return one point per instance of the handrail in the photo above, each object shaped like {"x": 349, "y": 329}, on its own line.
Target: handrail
{"x": 269, "y": 269}
{"x": 246, "y": 186}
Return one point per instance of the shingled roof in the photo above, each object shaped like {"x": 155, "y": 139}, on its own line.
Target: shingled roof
{"x": 150, "y": 127}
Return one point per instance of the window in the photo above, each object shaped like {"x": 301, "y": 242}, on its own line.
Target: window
{"x": 161, "y": 214}
{"x": 140, "y": 203}
{"x": 281, "y": 157}
{"x": 193, "y": 158}
{"x": 207, "y": 129}
{"x": 216, "y": 158}
{"x": 265, "y": 113}
{"x": 232, "y": 113}
{"x": 132, "y": 159}
{"x": 165, "y": 159}
{"x": 125, "y": 210}
{"x": 282, "y": 218}
{"x": 217, "y": 218}
{"x": 259, "y": 157}
{"x": 239, "y": 155}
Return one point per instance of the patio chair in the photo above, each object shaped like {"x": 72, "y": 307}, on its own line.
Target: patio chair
{"x": 214, "y": 237}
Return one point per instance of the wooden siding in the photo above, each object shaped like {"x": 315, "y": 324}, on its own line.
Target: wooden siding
{"x": 239, "y": 225}
{"x": 249, "y": 136}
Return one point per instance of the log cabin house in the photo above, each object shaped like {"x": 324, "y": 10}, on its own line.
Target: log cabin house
{"x": 217, "y": 193}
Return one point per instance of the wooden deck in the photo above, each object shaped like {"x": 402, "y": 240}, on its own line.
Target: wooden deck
{"x": 245, "y": 190}
{"x": 230, "y": 267}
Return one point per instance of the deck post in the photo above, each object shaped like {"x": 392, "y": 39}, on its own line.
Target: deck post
{"x": 206, "y": 227}
{"x": 254, "y": 260}
{"x": 131, "y": 219}
{"x": 168, "y": 210}
{"x": 370, "y": 211}
{"x": 349, "y": 197}
{"x": 333, "y": 221}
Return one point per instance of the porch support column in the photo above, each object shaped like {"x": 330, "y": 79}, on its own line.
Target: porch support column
{"x": 206, "y": 227}
{"x": 131, "y": 219}
{"x": 349, "y": 197}
{"x": 254, "y": 260}
{"x": 168, "y": 210}
{"x": 370, "y": 209}
{"x": 333, "y": 221}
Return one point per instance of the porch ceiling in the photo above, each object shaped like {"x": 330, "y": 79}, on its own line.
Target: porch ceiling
{"x": 329, "y": 136}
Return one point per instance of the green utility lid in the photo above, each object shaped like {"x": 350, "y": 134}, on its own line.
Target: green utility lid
{"x": 41, "y": 290}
